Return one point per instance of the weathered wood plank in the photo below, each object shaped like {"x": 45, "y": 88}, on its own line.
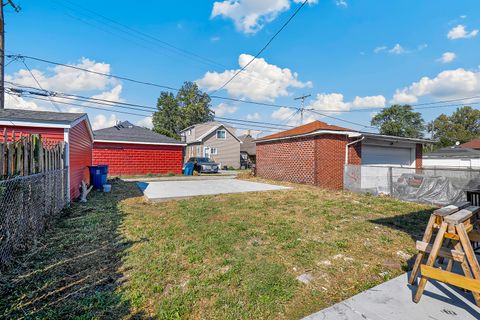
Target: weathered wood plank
{"x": 444, "y": 252}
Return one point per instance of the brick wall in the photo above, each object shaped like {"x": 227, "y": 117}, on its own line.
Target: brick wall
{"x": 290, "y": 160}
{"x": 419, "y": 156}
{"x": 330, "y": 160}
{"x": 134, "y": 159}
{"x": 312, "y": 160}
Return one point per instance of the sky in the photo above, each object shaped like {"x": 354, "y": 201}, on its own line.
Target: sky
{"x": 352, "y": 57}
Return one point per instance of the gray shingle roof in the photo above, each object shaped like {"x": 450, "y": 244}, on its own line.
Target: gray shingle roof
{"x": 41, "y": 116}
{"x": 125, "y": 131}
{"x": 453, "y": 152}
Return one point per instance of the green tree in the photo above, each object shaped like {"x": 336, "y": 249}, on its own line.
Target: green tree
{"x": 462, "y": 126}
{"x": 399, "y": 120}
{"x": 190, "y": 106}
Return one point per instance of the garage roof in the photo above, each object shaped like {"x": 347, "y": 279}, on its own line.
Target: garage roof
{"x": 453, "y": 152}
{"x": 304, "y": 129}
{"x": 473, "y": 144}
{"x": 39, "y": 116}
{"x": 125, "y": 132}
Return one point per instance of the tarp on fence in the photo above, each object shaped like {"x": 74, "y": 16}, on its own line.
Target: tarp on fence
{"x": 435, "y": 186}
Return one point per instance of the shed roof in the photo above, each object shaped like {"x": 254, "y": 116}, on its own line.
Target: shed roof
{"x": 127, "y": 132}
{"x": 39, "y": 116}
{"x": 304, "y": 129}
{"x": 472, "y": 144}
{"x": 453, "y": 152}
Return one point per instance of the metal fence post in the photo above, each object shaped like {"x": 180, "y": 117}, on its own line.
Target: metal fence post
{"x": 390, "y": 179}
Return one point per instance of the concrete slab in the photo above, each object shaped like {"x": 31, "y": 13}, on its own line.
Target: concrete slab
{"x": 392, "y": 300}
{"x": 170, "y": 190}
{"x": 181, "y": 178}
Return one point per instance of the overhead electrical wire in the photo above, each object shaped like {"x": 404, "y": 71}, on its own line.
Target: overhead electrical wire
{"x": 264, "y": 47}
{"x": 148, "y": 38}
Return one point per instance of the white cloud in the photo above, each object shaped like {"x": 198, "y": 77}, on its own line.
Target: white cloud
{"x": 14, "y": 102}
{"x": 112, "y": 95}
{"x": 341, "y": 3}
{"x": 380, "y": 49}
{"x": 330, "y": 103}
{"x": 399, "y": 49}
{"x": 254, "y": 116}
{"x": 447, "y": 57}
{"x": 101, "y": 121}
{"x": 261, "y": 81}
{"x": 448, "y": 84}
{"x": 460, "y": 32}
{"x": 250, "y": 16}
{"x": 65, "y": 79}
{"x": 223, "y": 109}
{"x": 145, "y": 122}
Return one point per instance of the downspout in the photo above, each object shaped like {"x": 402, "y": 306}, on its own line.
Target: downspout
{"x": 348, "y": 145}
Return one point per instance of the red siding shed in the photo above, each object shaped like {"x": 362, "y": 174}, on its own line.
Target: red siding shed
{"x": 72, "y": 128}
{"x": 130, "y": 150}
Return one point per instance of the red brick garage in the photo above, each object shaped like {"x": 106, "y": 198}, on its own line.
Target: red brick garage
{"x": 316, "y": 153}
{"x": 131, "y": 150}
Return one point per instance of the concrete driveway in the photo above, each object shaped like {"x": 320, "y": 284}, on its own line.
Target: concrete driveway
{"x": 392, "y": 300}
{"x": 170, "y": 190}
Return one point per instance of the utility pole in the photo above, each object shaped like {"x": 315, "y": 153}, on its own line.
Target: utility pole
{"x": 2, "y": 49}
{"x": 303, "y": 105}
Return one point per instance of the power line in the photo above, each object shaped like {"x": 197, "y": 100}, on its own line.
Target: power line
{"x": 39, "y": 85}
{"x": 118, "y": 104}
{"x": 351, "y": 122}
{"x": 264, "y": 47}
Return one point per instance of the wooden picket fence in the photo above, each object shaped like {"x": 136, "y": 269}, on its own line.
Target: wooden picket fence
{"x": 26, "y": 154}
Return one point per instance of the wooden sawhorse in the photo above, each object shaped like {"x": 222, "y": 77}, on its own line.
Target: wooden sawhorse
{"x": 455, "y": 227}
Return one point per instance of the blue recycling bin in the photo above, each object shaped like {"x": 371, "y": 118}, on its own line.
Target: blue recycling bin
{"x": 98, "y": 176}
{"x": 188, "y": 171}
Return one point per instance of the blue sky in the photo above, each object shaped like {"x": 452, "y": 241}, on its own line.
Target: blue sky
{"x": 349, "y": 55}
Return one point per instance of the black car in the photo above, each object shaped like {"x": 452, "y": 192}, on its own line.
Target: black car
{"x": 204, "y": 165}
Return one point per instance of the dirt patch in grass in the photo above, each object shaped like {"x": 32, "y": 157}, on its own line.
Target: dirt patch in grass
{"x": 234, "y": 256}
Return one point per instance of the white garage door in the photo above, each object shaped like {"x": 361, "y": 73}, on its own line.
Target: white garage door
{"x": 387, "y": 156}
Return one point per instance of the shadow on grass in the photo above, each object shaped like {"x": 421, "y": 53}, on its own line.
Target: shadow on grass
{"x": 74, "y": 269}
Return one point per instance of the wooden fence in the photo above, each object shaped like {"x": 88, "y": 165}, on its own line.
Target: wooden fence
{"x": 26, "y": 154}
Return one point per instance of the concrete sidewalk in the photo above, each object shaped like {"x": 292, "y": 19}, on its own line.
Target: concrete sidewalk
{"x": 171, "y": 190}
{"x": 392, "y": 300}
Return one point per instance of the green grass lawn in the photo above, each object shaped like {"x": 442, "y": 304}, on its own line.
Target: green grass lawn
{"x": 231, "y": 256}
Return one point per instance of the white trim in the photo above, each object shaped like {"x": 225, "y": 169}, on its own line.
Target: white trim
{"x": 350, "y": 144}
{"x": 350, "y": 134}
{"x": 22, "y": 123}
{"x": 66, "y": 139}
{"x": 143, "y": 143}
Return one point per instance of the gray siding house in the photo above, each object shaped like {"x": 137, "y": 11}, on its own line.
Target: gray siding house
{"x": 213, "y": 140}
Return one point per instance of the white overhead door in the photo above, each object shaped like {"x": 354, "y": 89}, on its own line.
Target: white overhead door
{"x": 387, "y": 156}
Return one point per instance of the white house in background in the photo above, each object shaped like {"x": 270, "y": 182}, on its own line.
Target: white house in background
{"x": 452, "y": 157}
{"x": 213, "y": 140}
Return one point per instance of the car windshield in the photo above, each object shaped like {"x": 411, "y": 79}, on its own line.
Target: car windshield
{"x": 204, "y": 160}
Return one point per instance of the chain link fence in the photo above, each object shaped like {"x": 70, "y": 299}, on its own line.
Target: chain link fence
{"x": 440, "y": 186}
{"x": 27, "y": 205}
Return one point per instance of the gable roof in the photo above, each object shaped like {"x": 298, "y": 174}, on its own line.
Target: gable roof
{"x": 453, "y": 152}
{"x": 215, "y": 128}
{"x": 472, "y": 144}
{"x": 39, "y": 116}
{"x": 248, "y": 144}
{"x": 125, "y": 132}
{"x": 304, "y": 129}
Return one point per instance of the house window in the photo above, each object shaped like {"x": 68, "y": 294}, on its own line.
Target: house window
{"x": 213, "y": 151}
{"x": 189, "y": 132}
{"x": 221, "y": 134}
{"x": 199, "y": 151}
